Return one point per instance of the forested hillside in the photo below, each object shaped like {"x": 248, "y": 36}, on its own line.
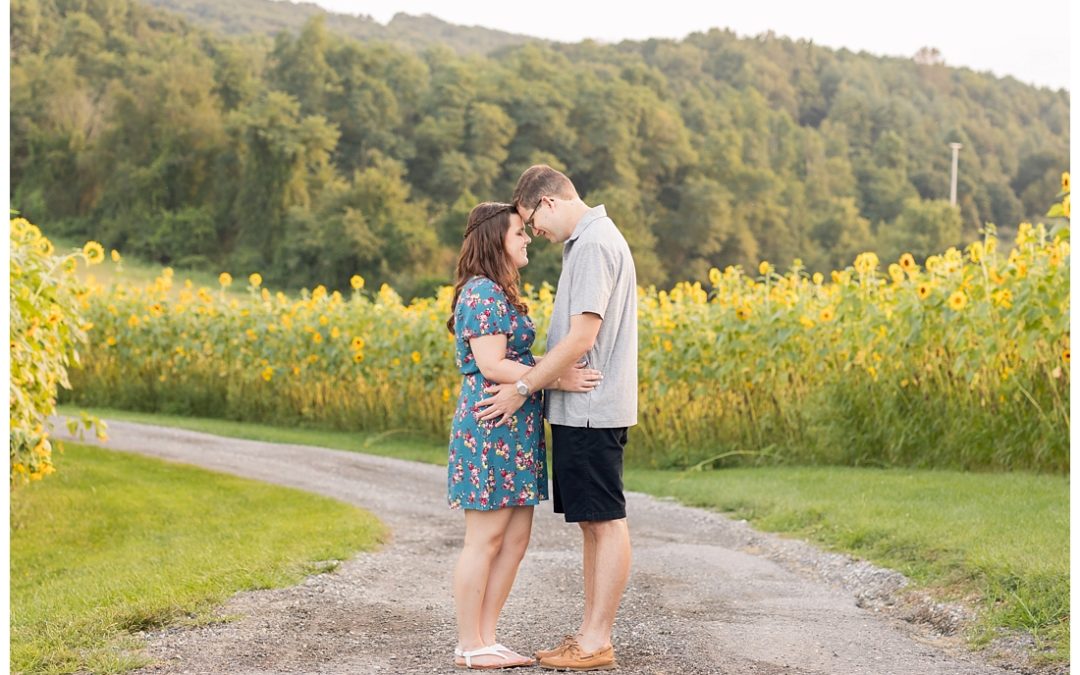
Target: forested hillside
{"x": 313, "y": 157}
{"x": 269, "y": 17}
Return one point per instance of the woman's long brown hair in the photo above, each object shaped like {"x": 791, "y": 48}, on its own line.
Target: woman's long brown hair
{"x": 483, "y": 253}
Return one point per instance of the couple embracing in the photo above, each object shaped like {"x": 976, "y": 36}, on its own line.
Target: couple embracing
{"x": 585, "y": 386}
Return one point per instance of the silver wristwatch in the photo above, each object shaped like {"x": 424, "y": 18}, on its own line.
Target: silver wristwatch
{"x": 521, "y": 387}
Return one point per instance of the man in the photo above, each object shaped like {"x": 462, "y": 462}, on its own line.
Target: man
{"x": 595, "y": 315}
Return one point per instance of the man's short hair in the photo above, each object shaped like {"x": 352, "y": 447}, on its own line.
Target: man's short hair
{"x": 540, "y": 180}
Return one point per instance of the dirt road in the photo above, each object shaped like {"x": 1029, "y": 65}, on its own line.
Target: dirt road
{"x": 707, "y": 594}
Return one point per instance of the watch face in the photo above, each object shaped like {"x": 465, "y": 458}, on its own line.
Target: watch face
{"x": 523, "y": 389}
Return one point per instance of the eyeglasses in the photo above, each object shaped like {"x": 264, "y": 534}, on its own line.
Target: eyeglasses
{"x": 529, "y": 221}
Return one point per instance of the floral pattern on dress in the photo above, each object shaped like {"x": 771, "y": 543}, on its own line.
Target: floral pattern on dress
{"x": 493, "y": 467}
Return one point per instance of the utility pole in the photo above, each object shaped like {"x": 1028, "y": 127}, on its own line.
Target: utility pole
{"x": 955, "y": 160}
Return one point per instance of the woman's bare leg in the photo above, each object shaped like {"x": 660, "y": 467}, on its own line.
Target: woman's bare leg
{"x": 503, "y": 571}
{"x": 484, "y": 533}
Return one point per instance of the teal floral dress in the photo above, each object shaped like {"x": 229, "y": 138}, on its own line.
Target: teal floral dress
{"x": 494, "y": 467}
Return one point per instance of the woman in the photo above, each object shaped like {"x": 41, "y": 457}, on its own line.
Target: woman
{"x": 496, "y": 474}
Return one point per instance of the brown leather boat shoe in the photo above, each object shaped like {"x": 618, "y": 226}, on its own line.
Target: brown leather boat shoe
{"x": 566, "y": 642}
{"x": 574, "y": 658}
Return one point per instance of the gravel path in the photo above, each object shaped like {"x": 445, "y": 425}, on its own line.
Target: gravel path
{"x": 707, "y": 594}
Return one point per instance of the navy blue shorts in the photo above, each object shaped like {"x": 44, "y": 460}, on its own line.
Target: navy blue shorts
{"x": 587, "y": 467}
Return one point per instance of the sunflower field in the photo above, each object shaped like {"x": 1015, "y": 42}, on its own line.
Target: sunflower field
{"x": 961, "y": 361}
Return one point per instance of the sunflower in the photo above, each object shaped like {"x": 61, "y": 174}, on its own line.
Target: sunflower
{"x": 827, "y": 314}
{"x": 817, "y": 278}
{"x": 1065, "y": 352}
{"x": 907, "y": 262}
{"x": 896, "y": 272}
{"x": 975, "y": 251}
{"x": 267, "y": 373}
{"x": 743, "y": 312}
{"x": 865, "y": 263}
{"x": 94, "y": 252}
{"x": 1024, "y": 233}
{"x": 923, "y": 290}
{"x": 357, "y": 281}
{"x": 1065, "y": 182}
{"x": 957, "y": 301}
{"x": 255, "y": 279}
{"x": 1002, "y": 298}
{"x": 115, "y": 255}
{"x": 224, "y": 279}
{"x": 764, "y": 268}
{"x": 416, "y": 357}
{"x": 358, "y": 343}
{"x": 715, "y": 277}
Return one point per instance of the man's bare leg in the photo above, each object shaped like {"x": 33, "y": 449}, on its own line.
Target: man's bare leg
{"x": 610, "y": 571}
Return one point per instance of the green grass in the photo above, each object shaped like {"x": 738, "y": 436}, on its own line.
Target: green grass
{"x": 1000, "y": 540}
{"x": 114, "y": 543}
{"x": 389, "y": 444}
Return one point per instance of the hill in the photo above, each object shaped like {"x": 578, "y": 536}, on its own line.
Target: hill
{"x": 267, "y": 17}
{"x": 311, "y": 157}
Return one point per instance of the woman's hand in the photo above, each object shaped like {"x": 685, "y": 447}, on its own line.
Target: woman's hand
{"x": 580, "y": 379}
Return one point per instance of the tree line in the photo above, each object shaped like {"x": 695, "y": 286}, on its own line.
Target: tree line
{"x": 311, "y": 157}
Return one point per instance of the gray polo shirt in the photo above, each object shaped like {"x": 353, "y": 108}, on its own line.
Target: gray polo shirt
{"x": 598, "y": 276}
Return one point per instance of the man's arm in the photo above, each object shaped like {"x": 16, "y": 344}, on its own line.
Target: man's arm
{"x": 582, "y": 336}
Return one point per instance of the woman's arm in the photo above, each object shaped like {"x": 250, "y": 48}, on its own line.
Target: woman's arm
{"x": 490, "y": 354}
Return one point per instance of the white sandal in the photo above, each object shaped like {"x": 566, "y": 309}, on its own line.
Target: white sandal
{"x": 530, "y": 662}
{"x": 491, "y": 650}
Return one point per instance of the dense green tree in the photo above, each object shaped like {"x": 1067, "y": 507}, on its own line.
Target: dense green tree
{"x": 282, "y": 162}
{"x": 301, "y": 69}
{"x": 311, "y": 156}
{"x": 923, "y": 228}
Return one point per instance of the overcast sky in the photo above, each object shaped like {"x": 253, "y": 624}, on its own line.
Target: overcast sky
{"x": 1028, "y": 40}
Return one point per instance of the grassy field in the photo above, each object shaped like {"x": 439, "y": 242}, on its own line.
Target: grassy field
{"x": 389, "y": 444}
{"x": 1001, "y": 538}
{"x": 115, "y": 543}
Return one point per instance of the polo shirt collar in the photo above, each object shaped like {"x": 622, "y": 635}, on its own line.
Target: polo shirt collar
{"x": 595, "y": 213}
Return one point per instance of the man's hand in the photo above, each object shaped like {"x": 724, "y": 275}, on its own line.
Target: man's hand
{"x": 503, "y": 404}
